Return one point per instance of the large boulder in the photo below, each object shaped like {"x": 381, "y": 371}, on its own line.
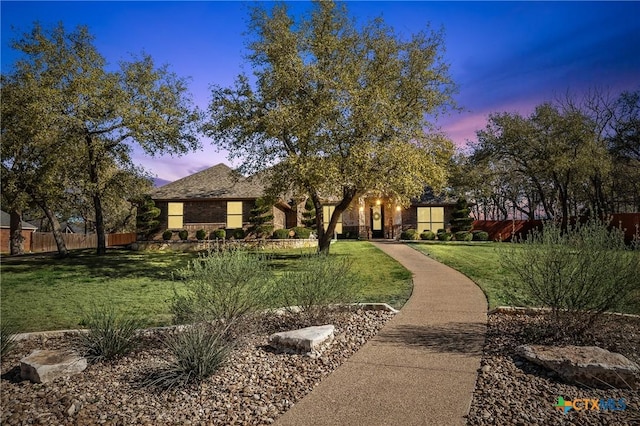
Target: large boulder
{"x": 585, "y": 365}
{"x": 43, "y": 366}
{"x": 305, "y": 340}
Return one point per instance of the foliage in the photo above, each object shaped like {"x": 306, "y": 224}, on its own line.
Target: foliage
{"x": 319, "y": 282}
{"x": 335, "y": 105}
{"x": 578, "y": 273}
{"x": 463, "y": 236}
{"x": 166, "y": 235}
{"x": 183, "y": 234}
{"x": 147, "y": 222}
{"x": 261, "y": 218}
{"x": 280, "y": 234}
{"x": 409, "y": 234}
{"x": 226, "y": 285}
{"x": 219, "y": 234}
{"x": 236, "y": 234}
{"x": 7, "y": 337}
{"x": 427, "y": 235}
{"x": 309, "y": 214}
{"x": 301, "y": 232}
{"x": 96, "y": 114}
{"x": 480, "y": 236}
{"x": 444, "y": 235}
{"x": 460, "y": 220}
{"x": 201, "y": 234}
{"x": 109, "y": 335}
{"x": 197, "y": 352}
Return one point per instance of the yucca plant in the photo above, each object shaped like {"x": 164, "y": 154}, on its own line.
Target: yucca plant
{"x": 109, "y": 335}
{"x": 196, "y": 353}
{"x": 7, "y": 338}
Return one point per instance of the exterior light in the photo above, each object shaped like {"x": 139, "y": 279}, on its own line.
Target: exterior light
{"x": 377, "y": 202}
{"x": 397, "y": 208}
{"x": 361, "y": 208}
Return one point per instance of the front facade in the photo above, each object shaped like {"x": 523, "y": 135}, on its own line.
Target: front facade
{"x": 220, "y": 198}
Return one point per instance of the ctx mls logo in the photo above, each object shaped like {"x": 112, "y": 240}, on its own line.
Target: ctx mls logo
{"x": 587, "y": 404}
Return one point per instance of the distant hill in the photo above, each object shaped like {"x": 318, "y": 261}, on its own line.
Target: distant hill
{"x": 157, "y": 182}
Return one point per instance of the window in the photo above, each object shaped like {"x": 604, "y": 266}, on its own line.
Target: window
{"x": 327, "y": 211}
{"x": 430, "y": 218}
{"x": 234, "y": 214}
{"x": 174, "y": 216}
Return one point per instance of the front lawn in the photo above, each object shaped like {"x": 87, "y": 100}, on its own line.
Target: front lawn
{"x": 45, "y": 293}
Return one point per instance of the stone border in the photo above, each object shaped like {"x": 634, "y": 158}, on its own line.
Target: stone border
{"x": 59, "y": 333}
{"x": 204, "y": 245}
{"x": 518, "y": 310}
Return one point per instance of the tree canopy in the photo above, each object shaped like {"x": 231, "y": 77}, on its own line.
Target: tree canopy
{"x": 335, "y": 109}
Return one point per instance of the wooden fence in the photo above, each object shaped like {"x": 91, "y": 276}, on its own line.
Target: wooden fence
{"x": 44, "y": 242}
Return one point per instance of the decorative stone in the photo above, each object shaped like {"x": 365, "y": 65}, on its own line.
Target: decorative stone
{"x": 309, "y": 339}
{"x": 586, "y": 365}
{"x": 43, "y": 366}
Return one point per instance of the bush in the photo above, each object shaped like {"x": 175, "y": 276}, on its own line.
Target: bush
{"x": 444, "y": 236}
{"x": 201, "y": 234}
{"x": 578, "y": 273}
{"x": 7, "y": 337}
{"x": 226, "y": 285}
{"x": 218, "y": 234}
{"x": 463, "y": 236}
{"x": 166, "y": 235}
{"x": 236, "y": 234}
{"x": 427, "y": 235}
{"x": 184, "y": 234}
{"x": 409, "y": 234}
{"x": 480, "y": 236}
{"x": 319, "y": 282}
{"x": 196, "y": 353}
{"x": 301, "y": 232}
{"x": 280, "y": 234}
{"x": 110, "y": 336}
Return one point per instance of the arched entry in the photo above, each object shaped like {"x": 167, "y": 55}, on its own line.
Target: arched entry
{"x": 377, "y": 221}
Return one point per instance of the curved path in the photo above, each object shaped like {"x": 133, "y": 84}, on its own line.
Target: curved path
{"x": 420, "y": 369}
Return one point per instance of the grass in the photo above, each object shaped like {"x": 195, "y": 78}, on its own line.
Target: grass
{"x": 46, "y": 293}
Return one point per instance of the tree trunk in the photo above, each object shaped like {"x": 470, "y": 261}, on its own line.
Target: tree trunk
{"x": 324, "y": 239}
{"x": 97, "y": 202}
{"x": 55, "y": 229}
{"x": 102, "y": 243}
{"x": 16, "y": 240}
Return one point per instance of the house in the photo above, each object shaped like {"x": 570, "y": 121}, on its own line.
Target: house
{"x": 219, "y": 197}
{"x": 5, "y": 232}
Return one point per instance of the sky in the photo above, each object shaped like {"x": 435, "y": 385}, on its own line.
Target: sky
{"x": 504, "y": 56}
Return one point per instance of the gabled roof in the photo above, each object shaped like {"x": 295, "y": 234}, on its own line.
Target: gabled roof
{"x": 5, "y": 222}
{"x": 217, "y": 182}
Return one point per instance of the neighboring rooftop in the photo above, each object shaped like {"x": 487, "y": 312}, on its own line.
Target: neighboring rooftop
{"x": 219, "y": 181}
{"x": 5, "y": 222}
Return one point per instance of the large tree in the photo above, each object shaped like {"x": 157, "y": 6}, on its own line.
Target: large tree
{"x": 102, "y": 112}
{"x": 337, "y": 109}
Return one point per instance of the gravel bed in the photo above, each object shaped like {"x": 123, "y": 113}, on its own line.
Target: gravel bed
{"x": 512, "y": 391}
{"x": 255, "y": 387}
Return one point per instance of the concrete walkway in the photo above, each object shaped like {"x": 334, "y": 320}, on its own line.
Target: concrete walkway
{"x": 420, "y": 369}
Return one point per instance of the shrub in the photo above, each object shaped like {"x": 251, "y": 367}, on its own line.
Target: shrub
{"x": 184, "y": 234}
{"x": 261, "y": 218}
{"x": 201, "y": 234}
{"x": 7, "y": 337}
{"x": 236, "y": 234}
{"x": 409, "y": 234}
{"x": 166, "y": 235}
{"x": 427, "y": 235}
{"x": 226, "y": 285}
{"x": 463, "y": 236}
{"x": 460, "y": 220}
{"x": 280, "y": 234}
{"x": 578, "y": 273}
{"x": 218, "y": 234}
{"x": 110, "y": 336}
{"x": 318, "y": 282}
{"x": 301, "y": 232}
{"x": 196, "y": 353}
{"x": 480, "y": 236}
{"x": 444, "y": 236}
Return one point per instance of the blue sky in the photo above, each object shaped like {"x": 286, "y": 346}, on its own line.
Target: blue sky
{"x": 504, "y": 56}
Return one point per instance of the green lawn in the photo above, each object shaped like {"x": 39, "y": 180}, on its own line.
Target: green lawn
{"x": 46, "y": 293}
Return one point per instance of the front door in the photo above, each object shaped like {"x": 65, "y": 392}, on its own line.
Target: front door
{"x": 377, "y": 221}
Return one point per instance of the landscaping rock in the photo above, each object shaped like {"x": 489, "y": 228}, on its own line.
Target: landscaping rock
{"x": 308, "y": 340}
{"x": 586, "y": 365}
{"x": 43, "y": 366}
